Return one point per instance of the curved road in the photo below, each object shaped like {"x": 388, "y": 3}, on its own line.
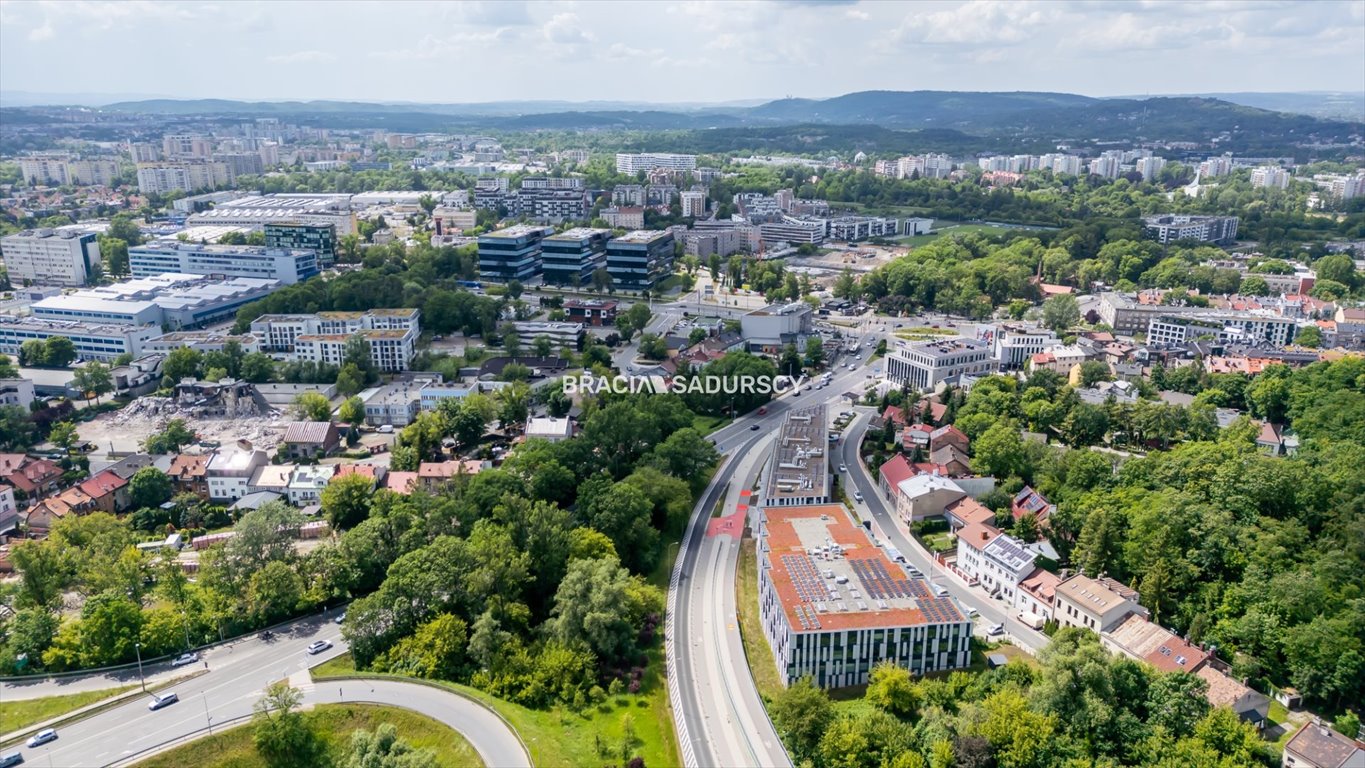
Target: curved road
{"x": 237, "y": 676}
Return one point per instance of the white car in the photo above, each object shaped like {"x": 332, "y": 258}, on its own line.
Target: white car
{"x": 318, "y": 646}
{"x": 857, "y": 495}
{"x": 162, "y": 701}
{"x": 971, "y": 612}
{"x": 42, "y": 737}
{"x": 185, "y": 658}
{"x": 843, "y": 467}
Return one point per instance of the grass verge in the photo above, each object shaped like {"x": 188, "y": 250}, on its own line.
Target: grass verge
{"x": 25, "y": 712}
{"x": 761, "y": 665}
{"x": 559, "y": 737}
{"x": 333, "y": 723}
{"x": 708, "y": 424}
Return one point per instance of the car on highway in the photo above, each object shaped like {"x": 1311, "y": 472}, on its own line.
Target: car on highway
{"x": 857, "y": 495}
{"x": 163, "y": 701}
{"x": 13, "y": 758}
{"x": 753, "y": 427}
{"x": 995, "y": 629}
{"x": 843, "y": 467}
{"x": 318, "y": 646}
{"x": 42, "y": 737}
{"x": 185, "y": 658}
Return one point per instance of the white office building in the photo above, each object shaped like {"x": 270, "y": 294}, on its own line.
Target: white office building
{"x": 926, "y": 365}
{"x": 63, "y": 169}
{"x": 1014, "y": 345}
{"x": 49, "y": 257}
{"x": 163, "y": 256}
{"x": 631, "y": 163}
{"x": 1149, "y": 167}
{"x": 1209, "y": 229}
{"x": 171, "y": 300}
{"x": 94, "y": 341}
{"x": 561, "y": 335}
{"x": 997, "y": 560}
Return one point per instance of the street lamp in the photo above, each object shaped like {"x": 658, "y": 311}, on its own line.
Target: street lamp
{"x": 138, "y": 648}
{"x": 207, "y": 716}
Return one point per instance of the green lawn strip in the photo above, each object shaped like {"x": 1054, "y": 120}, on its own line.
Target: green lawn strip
{"x": 708, "y": 424}
{"x": 761, "y": 665}
{"x": 25, "y": 712}
{"x": 107, "y": 698}
{"x": 333, "y": 723}
{"x": 559, "y": 737}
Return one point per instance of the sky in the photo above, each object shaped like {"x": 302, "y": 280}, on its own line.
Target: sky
{"x": 673, "y": 51}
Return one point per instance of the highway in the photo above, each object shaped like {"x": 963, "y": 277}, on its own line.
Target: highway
{"x": 718, "y": 714}
{"x": 237, "y": 676}
{"x": 859, "y": 479}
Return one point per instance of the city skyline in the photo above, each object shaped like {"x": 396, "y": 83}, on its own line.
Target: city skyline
{"x": 712, "y": 52}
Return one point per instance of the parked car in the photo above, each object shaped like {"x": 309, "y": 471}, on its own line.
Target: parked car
{"x": 163, "y": 701}
{"x": 318, "y": 646}
{"x": 385, "y": 429}
{"x": 42, "y": 737}
{"x": 971, "y": 612}
{"x": 996, "y": 629}
{"x": 185, "y": 658}
{"x": 342, "y": 618}
{"x": 14, "y": 758}
{"x": 857, "y": 495}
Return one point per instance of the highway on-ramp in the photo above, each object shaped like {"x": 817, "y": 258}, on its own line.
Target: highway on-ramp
{"x": 237, "y": 676}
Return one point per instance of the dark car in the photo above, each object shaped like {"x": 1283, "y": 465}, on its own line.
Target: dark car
{"x": 753, "y": 427}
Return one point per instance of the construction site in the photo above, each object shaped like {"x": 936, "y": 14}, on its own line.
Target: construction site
{"x": 218, "y": 412}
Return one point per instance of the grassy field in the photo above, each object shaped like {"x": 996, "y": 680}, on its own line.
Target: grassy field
{"x": 25, "y": 712}
{"x": 939, "y": 542}
{"x": 334, "y": 723}
{"x": 708, "y": 424}
{"x": 559, "y": 737}
{"x": 760, "y": 658}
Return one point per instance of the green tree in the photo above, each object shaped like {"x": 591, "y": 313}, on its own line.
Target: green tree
{"x": 350, "y": 379}
{"x": 1310, "y": 337}
{"x": 60, "y": 351}
{"x": 124, "y": 227}
{"x": 1176, "y": 701}
{"x": 383, "y": 749}
{"x": 181, "y": 363}
{"x": 802, "y": 713}
{"x": 685, "y": 454}
{"x": 1061, "y": 312}
{"x": 279, "y": 732}
{"x": 514, "y": 405}
{"x": 1000, "y": 452}
{"x": 815, "y": 352}
{"x": 346, "y": 501}
{"x": 63, "y": 435}
{"x": 7, "y": 369}
{"x": 313, "y": 406}
{"x": 257, "y": 368}
{"x": 16, "y": 428}
{"x": 588, "y": 608}
{"x": 149, "y": 487}
{"x": 33, "y": 353}
{"x": 170, "y": 439}
{"x": 352, "y": 411}
{"x": 623, "y": 513}
{"x": 93, "y": 379}
{"x": 435, "y": 651}
{"x": 273, "y": 592}
{"x": 653, "y": 347}
{"x": 891, "y": 689}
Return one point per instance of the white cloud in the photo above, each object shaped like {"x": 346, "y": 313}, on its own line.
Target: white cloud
{"x": 566, "y": 29}
{"x": 857, "y": 15}
{"x": 301, "y": 57}
{"x": 989, "y": 22}
{"x": 44, "y": 32}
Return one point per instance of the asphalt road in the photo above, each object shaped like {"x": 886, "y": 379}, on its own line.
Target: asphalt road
{"x": 879, "y": 508}
{"x": 237, "y": 676}
{"x": 723, "y": 717}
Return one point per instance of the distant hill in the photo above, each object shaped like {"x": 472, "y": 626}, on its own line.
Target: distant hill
{"x": 906, "y": 118}
{"x": 912, "y": 108}
{"x": 1333, "y": 105}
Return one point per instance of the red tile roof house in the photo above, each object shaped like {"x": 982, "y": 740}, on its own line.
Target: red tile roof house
{"x": 952, "y": 459}
{"x": 433, "y": 474}
{"x": 1028, "y": 500}
{"x": 190, "y": 473}
{"x": 949, "y": 435}
{"x": 916, "y": 436}
{"x": 401, "y": 483}
{"x": 108, "y": 491}
{"x": 1316, "y": 745}
{"x": 310, "y": 439}
{"x": 35, "y": 478}
{"x": 895, "y": 414}
{"x": 374, "y": 472}
{"x": 892, "y": 472}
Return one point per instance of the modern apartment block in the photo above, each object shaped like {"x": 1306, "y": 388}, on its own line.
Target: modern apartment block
{"x": 64, "y": 169}
{"x": 296, "y": 236}
{"x": 570, "y": 257}
{"x": 512, "y": 253}
{"x": 640, "y": 259}
{"x": 322, "y": 337}
{"x": 833, "y": 605}
{"x": 925, "y": 365}
{"x": 693, "y": 203}
{"x": 561, "y": 335}
{"x": 1014, "y": 345}
{"x": 162, "y": 256}
{"x": 628, "y": 163}
{"x": 1209, "y": 229}
{"x": 49, "y": 257}
{"x": 1242, "y": 327}
{"x": 162, "y": 178}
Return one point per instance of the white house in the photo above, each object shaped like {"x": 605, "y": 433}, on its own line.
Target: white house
{"x": 998, "y": 560}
